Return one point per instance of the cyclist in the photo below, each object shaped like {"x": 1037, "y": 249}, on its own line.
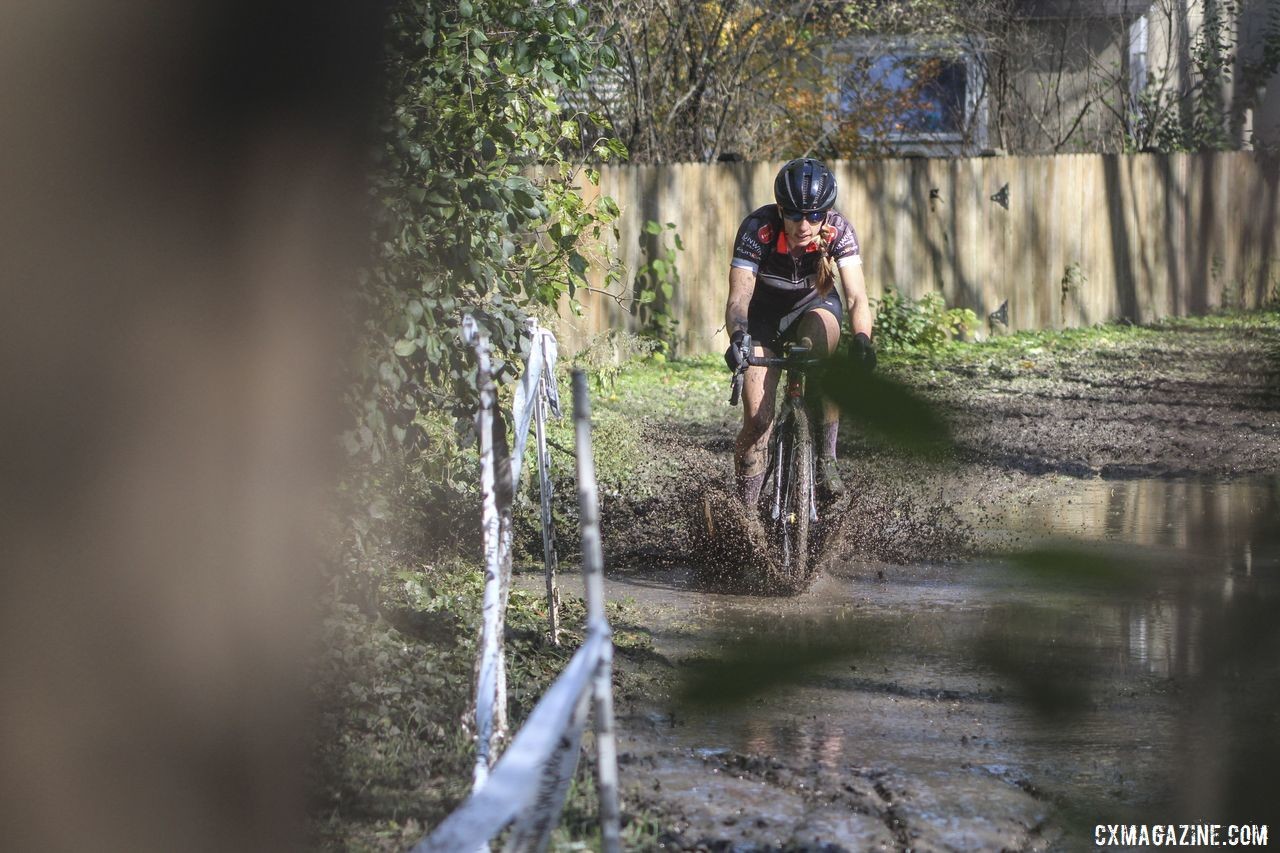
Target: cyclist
{"x": 786, "y": 259}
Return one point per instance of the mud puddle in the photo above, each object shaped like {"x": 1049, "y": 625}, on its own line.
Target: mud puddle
{"x": 977, "y": 707}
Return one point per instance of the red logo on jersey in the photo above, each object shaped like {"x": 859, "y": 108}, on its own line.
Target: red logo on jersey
{"x": 766, "y": 233}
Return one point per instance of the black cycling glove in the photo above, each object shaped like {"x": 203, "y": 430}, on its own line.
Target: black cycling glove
{"x": 736, "y": 355}
{"x": 863, "y": 353}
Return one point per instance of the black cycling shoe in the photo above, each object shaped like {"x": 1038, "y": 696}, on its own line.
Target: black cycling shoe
{"x": 829, "y": 484}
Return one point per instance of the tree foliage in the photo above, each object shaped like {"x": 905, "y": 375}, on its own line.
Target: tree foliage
{"x": 474, "y": 197}
{"x": 692, "y": 75}
{"x": 701, "y": 80}
{"x": 475, "y": 207}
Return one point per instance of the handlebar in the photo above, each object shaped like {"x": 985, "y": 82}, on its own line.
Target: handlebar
{"x": 794, "y": 356}
{"x": 788, "y": 360}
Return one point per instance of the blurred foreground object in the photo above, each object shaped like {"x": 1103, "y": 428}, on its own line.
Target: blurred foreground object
{"x": 179, "y": 190}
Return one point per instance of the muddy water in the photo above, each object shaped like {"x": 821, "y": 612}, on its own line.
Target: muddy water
{"x": 978, "y": 705}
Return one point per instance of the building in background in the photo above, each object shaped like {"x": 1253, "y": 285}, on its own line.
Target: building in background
{"x": 1060, "y": 76}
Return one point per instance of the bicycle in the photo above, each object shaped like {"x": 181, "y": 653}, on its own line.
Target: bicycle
{"x": 788, "y": 499}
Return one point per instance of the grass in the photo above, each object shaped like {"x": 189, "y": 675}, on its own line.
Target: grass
{"x": 694, "y": 391}
{"x": 689, "y": 392}
{"x": 1124, "y": 348}
{"x": 1022, "y": 344}
{"x": 391, "y": 756}
{"x": 1264, "y": 319}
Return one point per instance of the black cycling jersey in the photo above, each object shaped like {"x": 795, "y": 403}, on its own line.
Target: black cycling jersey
{"x": 761, "y": 247}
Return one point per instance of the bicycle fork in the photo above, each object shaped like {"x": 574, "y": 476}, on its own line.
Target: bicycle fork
{"x": 776, "y": 455}
{"x": 779, "y": 467}
{"x": 783, "y": 512}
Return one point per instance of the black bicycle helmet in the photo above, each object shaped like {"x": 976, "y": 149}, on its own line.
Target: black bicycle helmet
{"x": 806, "y": 185}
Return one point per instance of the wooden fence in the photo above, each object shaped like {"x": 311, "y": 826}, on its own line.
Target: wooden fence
{"x": 1084, "y": 238}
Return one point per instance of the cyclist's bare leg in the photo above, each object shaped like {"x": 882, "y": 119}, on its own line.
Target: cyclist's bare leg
{"x": 823, "y": 329}
{"x": 751, "y": 450}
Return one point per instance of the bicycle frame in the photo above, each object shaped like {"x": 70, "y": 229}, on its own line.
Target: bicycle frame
{"x": 791, "y": 465}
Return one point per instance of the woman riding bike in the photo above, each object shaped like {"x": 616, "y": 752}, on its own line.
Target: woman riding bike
{"x": 786, "y": 259}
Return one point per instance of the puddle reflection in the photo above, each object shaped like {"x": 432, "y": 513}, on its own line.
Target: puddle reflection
{"x": 1198, "y": 546}
{"x": 1217, "y": 519}
{"x": 1114, "y": 697}
{"x": 818, "y": 745}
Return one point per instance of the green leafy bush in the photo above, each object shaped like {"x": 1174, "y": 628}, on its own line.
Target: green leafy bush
{"x": 924, "y": 324}
{"x": 475, "y": 207}
{"x": 475, "y": 184}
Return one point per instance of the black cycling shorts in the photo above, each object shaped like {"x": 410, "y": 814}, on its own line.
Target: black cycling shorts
{"x": 773, "y": 314}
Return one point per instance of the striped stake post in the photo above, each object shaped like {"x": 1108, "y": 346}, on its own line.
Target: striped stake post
{"x": 543, "y": 354}
{"x": 549, "y": 557}
{"x": 500, "y": 475}
{"x": 593, "y": 580}
{"x": 535, "y": 396}
{"x": 490, "y": 652}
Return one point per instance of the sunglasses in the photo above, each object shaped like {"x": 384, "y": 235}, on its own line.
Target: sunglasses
{"x": 814, "y": 216}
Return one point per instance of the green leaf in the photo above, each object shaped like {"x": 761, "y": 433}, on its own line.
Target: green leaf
{"x": 1078, "y": 567}
{"x": 889, "y": 410}
{"x": 406, "y": 348}
{"x": 776, "y": 655}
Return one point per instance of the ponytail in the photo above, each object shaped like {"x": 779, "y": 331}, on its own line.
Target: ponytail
{"x": 826, "y": 264}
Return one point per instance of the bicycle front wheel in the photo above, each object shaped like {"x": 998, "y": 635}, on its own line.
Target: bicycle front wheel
{"x": 798, "y": 499}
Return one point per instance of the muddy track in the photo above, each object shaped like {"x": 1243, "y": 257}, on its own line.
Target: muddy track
{"x": 1186, "y": 404}
{"x": 1180, "y": 404}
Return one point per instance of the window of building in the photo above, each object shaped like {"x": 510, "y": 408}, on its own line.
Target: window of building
{"x": 911, "y": 97}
